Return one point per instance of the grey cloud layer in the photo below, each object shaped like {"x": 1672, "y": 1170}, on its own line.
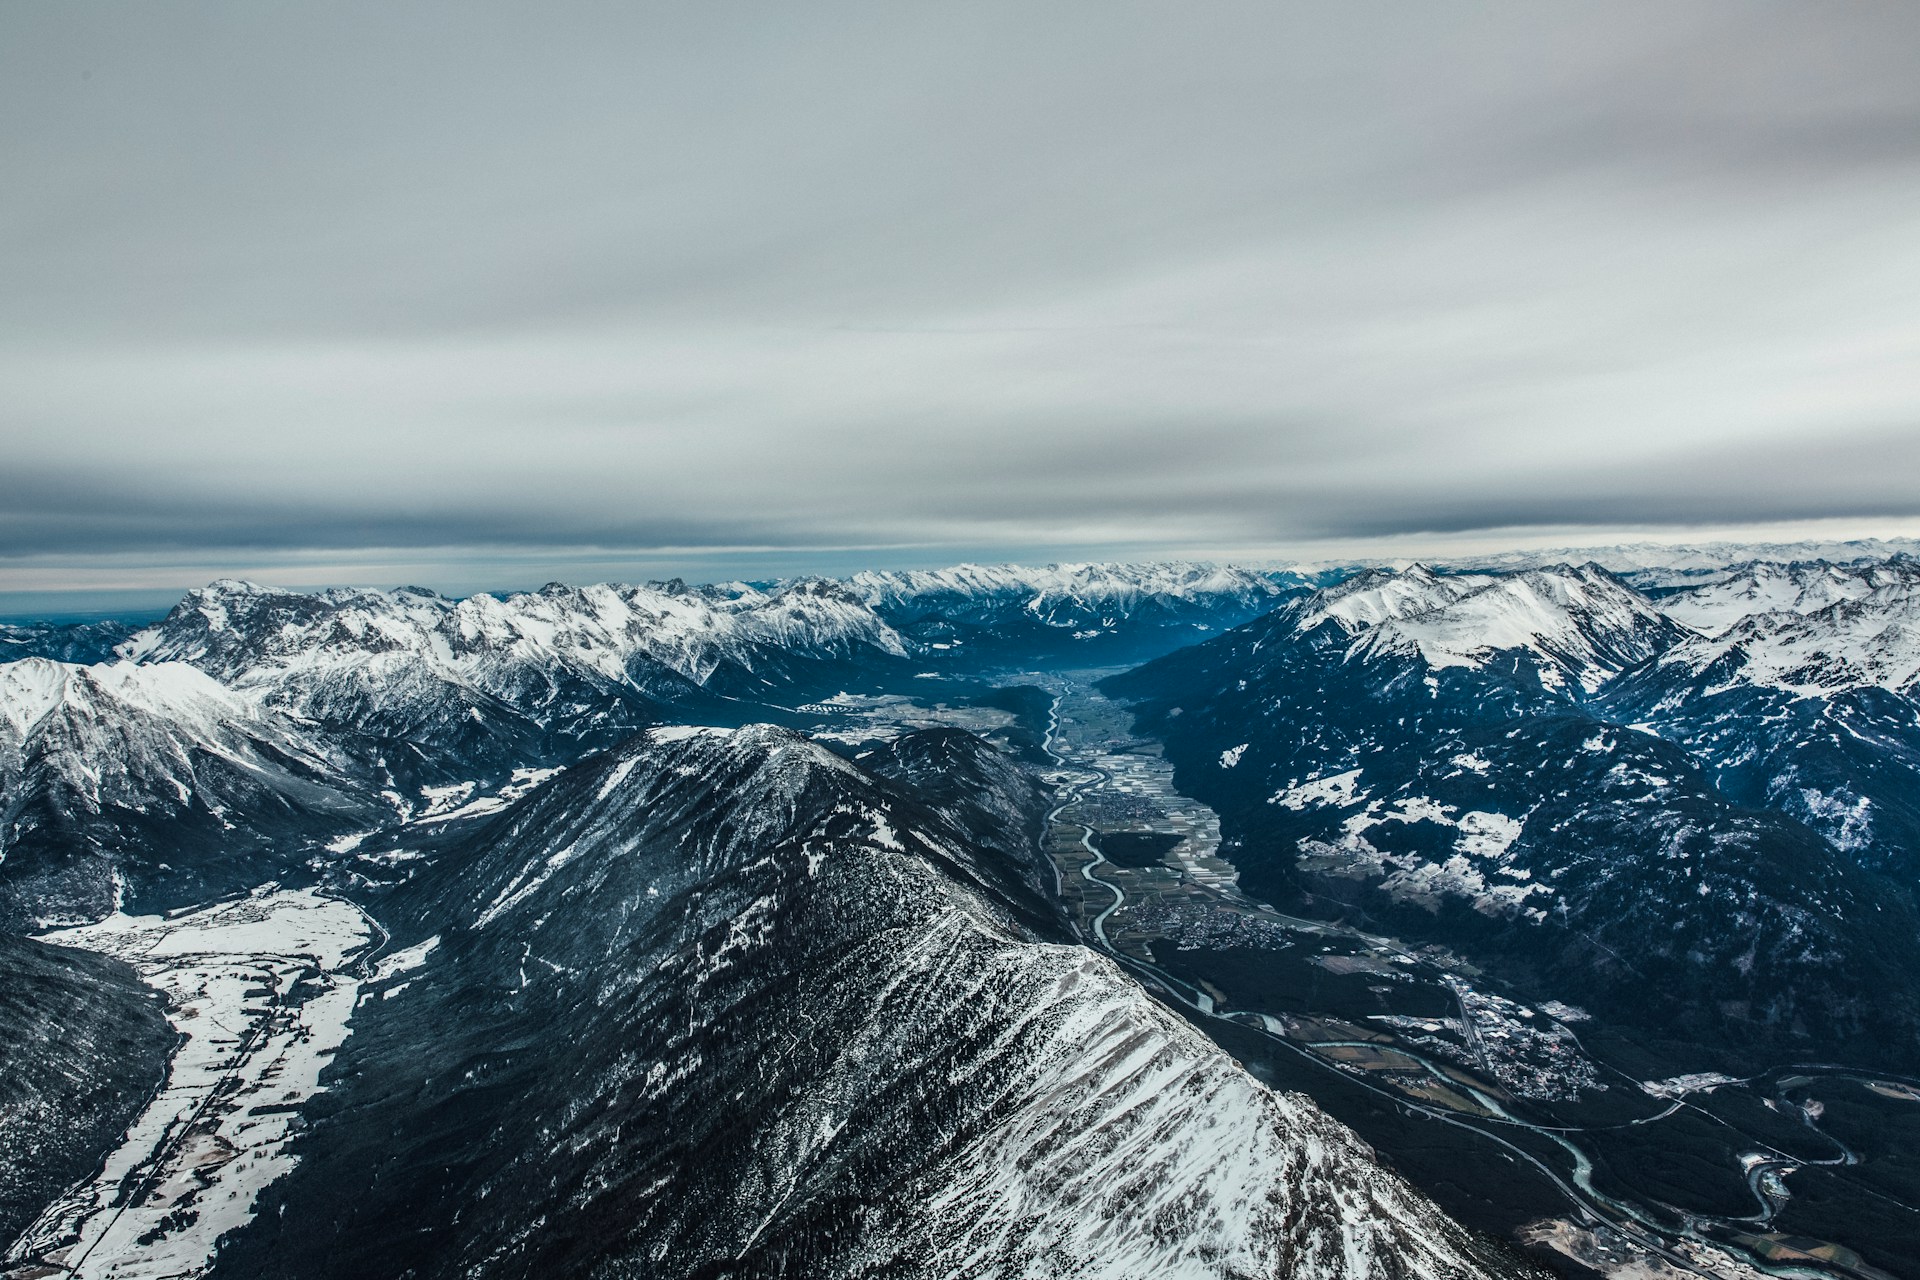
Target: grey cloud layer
{"x": 683, "y": 275}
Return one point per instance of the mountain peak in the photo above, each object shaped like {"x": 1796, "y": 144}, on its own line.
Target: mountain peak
{"x": 1580, "y": 623}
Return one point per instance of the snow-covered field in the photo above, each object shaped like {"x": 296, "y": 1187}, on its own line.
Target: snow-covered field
{"x": 260, "y": 991}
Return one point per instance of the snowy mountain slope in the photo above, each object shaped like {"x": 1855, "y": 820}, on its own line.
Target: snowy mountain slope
{"x": 1064, "y": 595}
{"x": 1654, "y": 565}
{"x": 1845, "y": 763}
{"x": 722, "y": 1003}
{"x": 492, "y": 683}
{"x": 1801, "y": 587}
{"x": 985, "y": 793}
{"x": 85, "y": 1043}
{"x": 1809, "y": 707}
{"x": 259, "y": 990}
{"x": 1483, "y": 806}
{"x": 1385, "y": 595}
{"x": 1817, "y": 630}
{"x": 156, "y": 781}
{"x": 245, "y": 632}
{"x": 449, "y": 690}
{"x": 1568, "y": 625}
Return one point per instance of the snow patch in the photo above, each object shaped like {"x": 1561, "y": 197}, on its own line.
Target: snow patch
{"x": 1332, "y": 789}
{"x": 405, "y": 961}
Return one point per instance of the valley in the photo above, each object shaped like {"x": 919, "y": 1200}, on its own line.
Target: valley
{"x": 261, "y": 991}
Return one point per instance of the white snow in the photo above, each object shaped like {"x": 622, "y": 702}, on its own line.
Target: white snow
{"x": 1418, "y": 809}
{"x": 1482, "y": 848}
{"x": 618, "y": 774}
{"x": 1487, "y": 835}
{"x": 443, "y": 800}
{"x": 404, "y": 961}
{"x": 1578, "y": 623}
{"x": 1331, "y": 789}
{"x": 1231, "y": 756}
{"x": 194, "y": 1161}
{"x": 512, "y": 896}
{"x": 681, "y": 732}
{"x": 883, "y": 833}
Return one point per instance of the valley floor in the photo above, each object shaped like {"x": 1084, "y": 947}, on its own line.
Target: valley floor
{"x": 261, "y": 991}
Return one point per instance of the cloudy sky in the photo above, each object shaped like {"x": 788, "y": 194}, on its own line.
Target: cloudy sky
{"x": 478, "y": 295}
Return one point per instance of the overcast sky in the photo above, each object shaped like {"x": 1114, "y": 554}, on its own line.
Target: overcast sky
{"x": 481, "y": 294}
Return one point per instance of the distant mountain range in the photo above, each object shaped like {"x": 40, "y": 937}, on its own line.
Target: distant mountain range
{"x": 1658, "y": 564}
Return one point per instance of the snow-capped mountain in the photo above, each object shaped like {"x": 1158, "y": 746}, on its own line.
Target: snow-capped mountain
{"x": 1086, "y": 613}
{"x": 156, "y": 781}
{"x": 523, "y": 678}
{"x": 343, "y": 705}
{"x": 251, "y": 634}
{"x": 710, "y": 1000}
{"x": 1568, "y": 624}
{"x": 1763, "y": 587}
{"x": 1808, "y": 706}
{"x": 1813, "y": 630}
{"x": 1445, "y": 753}
{"x": 1064, "y": 595}
{"x": 1656, "y": 565}
{"x": 723, "y": 1003}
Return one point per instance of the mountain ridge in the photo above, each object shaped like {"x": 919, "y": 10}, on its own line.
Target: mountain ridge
{"x": 960, "y": 1088}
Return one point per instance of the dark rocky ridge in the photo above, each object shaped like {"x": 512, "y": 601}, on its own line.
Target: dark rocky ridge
{"x": 84, "y": 1045}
